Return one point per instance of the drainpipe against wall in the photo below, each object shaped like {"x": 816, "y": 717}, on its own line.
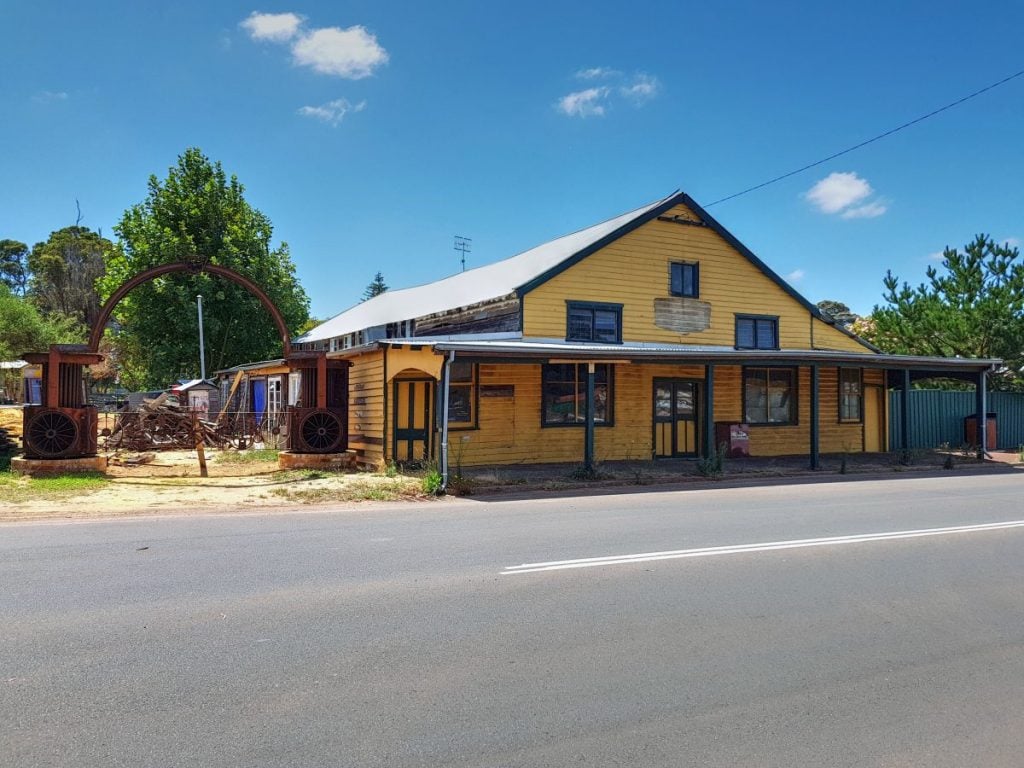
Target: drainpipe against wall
{"x": 445, "y": 373}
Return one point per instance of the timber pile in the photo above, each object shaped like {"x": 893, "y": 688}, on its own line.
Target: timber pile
{"x": 162, "y": 425}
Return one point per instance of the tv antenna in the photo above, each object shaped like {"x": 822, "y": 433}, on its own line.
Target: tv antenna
{"x": 464, "y": 245}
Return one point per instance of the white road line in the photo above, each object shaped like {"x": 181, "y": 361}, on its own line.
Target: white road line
{"x": 768, "y": 546}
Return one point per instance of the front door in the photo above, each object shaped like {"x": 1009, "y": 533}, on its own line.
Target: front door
{"x": 874, "y": 408}
{"x": 675, "y": 418}
{"x": 413, "y": 419}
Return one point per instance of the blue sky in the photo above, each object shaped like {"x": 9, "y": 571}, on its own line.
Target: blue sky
{"x": 372, "y": 132}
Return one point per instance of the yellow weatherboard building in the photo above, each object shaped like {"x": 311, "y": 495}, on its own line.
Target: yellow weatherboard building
{"x": 652, "y": 334}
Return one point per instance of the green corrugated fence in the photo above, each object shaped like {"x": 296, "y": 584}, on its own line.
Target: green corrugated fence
{"x": 937, "y": 417}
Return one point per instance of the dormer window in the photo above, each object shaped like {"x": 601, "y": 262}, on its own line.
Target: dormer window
{"x": 591, "y": 321}
{"x": 684, "y": 278}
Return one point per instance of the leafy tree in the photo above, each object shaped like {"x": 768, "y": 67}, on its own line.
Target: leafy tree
{"x": 376, "y": 287}
{"x": 838, "y": 311}
{"x": 974, "y": 307}
{"x": 65, "y": 269}
{"x": 198, "y": 214}
{"x": 14, "y": 266}
{"x": 24, "y": 329}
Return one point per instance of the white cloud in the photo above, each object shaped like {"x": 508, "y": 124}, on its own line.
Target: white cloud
{"x": 352, "y": 53}
{"x": 869, "y": 210}
{"x": 588, "y": 103}
{"x": 333, "y": 112}
{"x": 636, "y": 90}
{"x": 272, "y": 27}
{"x": 837, "y": 191}
{"x": 641, "y": 89}
{"x": 1012, "y": 242}
{"x": 796, "y": 275}
{"x": 49, "y": 97}
{"x": 595, "y": 73}
{"x": 936, "y": 256}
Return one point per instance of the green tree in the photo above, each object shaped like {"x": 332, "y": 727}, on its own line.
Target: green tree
{"x": 14, "y": 266}
{"x": 65, "y": 269}
{"x": 973, "y": 306}
{"x": 24, "y": 329}
{"x": 376, "y": 287}
{"x": 198, "y": 214}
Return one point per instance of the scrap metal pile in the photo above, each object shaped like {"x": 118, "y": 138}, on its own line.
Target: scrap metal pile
{"x": 7, "y": 445}
{"x": 163, "y": 425}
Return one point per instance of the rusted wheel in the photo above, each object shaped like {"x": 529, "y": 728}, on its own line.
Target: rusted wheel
{"x": 51, "y": 434}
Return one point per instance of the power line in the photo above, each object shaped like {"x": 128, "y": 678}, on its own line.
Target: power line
{"x": 871, "y": 140}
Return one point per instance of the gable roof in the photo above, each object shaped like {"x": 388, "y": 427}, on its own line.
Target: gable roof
{"x": 522, "y": 273}
{"x": 481, "y": 284}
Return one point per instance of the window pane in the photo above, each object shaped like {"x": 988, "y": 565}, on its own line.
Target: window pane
{"x": 676, "y": 279}
{"x": 460, "y": 404}
{"x": 461, "y": 372}
{"x": 744, "y": 333}
{"x": 684, "y": 400}
{"x": 600, "y": 404}
{"x": 560, "y": 403}
{"x": 689, "y": 280}
{"x": 756, "y": 395}
{"x": 580, "y": 325}
{"x": 766, "y": 334}
{"x": 606, "y": 326}
{"x": 780, "y": 396}
{"x": 560, "y": 372}
{"x": 663, "y": 402}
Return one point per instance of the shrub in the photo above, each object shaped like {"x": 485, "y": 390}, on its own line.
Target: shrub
{"x": 433, "y": 482}
{"x": 713, "y": 465}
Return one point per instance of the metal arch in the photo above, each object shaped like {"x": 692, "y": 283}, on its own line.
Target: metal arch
{"x": 108, "y": 307}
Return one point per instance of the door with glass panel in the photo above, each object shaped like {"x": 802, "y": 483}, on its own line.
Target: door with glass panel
{"x": 675, "y": 418}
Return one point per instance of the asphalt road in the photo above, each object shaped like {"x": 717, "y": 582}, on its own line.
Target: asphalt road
{"x": 400, "y": 636}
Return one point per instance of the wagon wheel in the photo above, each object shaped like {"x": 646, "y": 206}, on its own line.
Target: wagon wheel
{"x": 320, "y": 430}
{"x": 52, "y": 433}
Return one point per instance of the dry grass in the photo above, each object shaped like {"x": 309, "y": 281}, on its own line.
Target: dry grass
{"x": 16, "y": 489}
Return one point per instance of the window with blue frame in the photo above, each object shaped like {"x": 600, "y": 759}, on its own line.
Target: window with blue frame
{"x": 684, "y": 279}
{"x": 757, "y": 332}
{"x": 564, "y": 394}
{"x": 590, "y": 321}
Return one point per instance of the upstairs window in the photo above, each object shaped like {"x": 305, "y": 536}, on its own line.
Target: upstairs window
{"x": 851, "y": 394}
{"x": 684, "y": 279}
{"x": 589, "y": 321}
{"x": 757, "y": 332}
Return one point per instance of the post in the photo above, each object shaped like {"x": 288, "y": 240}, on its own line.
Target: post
{"x": 981, "y": 408}
{"x": 815, "y": 419}
{"x": 588, "y": 437}
{"x": 905, "y": 412}
{"x": 202, "y": 350}
{"x": 321, "y": 380}
{"x": 197, "y": 437}
{"x": 445, "y": 377}
{"x": 709, "y": 410}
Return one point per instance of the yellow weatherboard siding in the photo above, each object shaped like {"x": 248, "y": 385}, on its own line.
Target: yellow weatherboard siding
{"x": 634, "y": 271}
{"x": 510, "y": 430}
{"x": 366, "y": 407}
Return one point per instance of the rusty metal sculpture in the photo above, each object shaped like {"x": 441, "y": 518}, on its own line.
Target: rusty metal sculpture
{"x": 64, "y": 425}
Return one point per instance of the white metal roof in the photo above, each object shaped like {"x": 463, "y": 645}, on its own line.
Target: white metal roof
{"x": 473, "y": 286}
{"x": 12, "y": 364}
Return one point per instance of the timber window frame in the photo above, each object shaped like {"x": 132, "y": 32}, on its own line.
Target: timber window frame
{"x": 592, "y": 321}
{"x": 851, "y": 395}
{"x": 464, "y": 393}
{"x": 684, "y": 279}
{"x": 757, "y": 332}
{"x": 773, "y": 378}
{"x": 565, "y": 384}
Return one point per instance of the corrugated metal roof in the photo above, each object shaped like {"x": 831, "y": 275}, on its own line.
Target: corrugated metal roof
{"x": 554, "y": 348}
{"x": 473, "y": 286}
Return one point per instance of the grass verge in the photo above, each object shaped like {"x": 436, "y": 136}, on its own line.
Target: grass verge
{"x": 16, "y": 488}
{"x": 383, "y": 489}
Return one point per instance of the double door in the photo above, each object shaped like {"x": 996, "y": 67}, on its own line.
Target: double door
{"x": 675, "y": 418}
{"x": 413, "y": 419}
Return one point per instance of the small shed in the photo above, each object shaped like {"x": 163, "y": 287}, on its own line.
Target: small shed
{"x": 202, "y": 395}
